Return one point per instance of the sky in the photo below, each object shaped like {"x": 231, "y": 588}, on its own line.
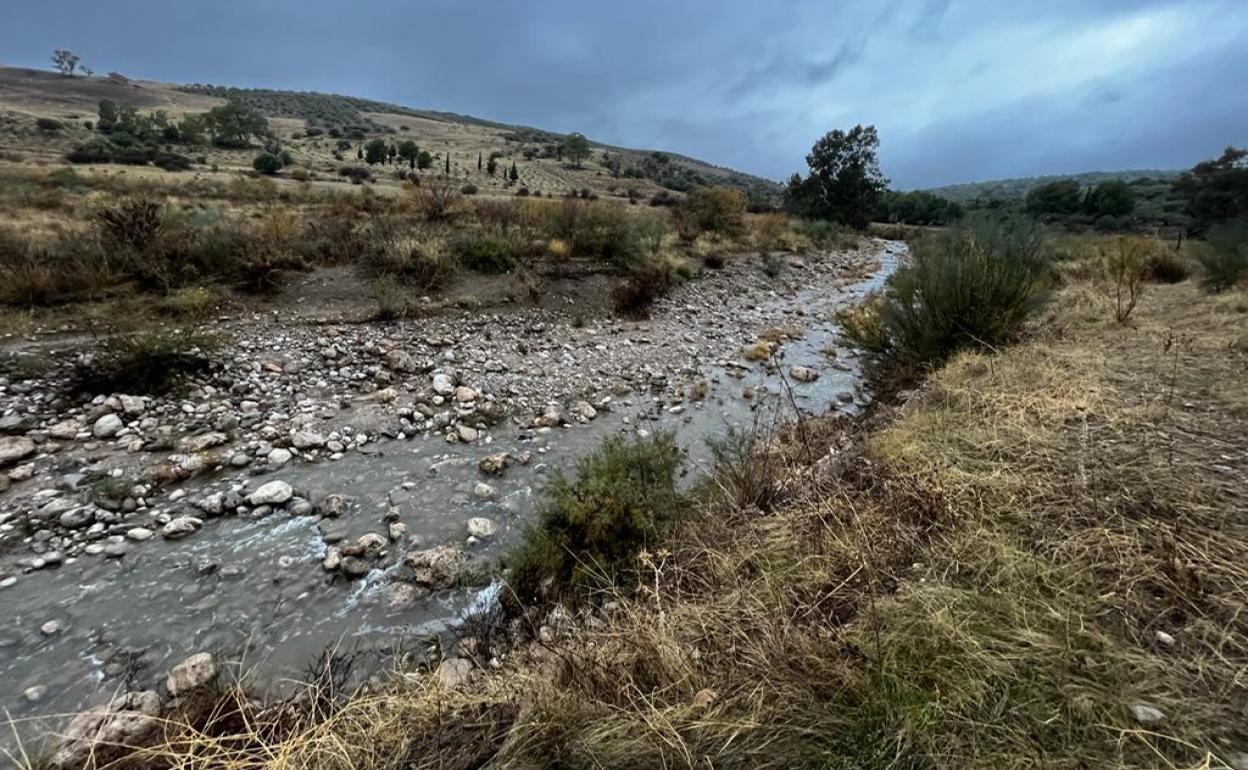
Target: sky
{"x": 959, "y": 90}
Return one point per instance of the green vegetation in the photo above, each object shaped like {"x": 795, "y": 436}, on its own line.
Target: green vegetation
{"x": 1216, "y": 190}
{"x": 145, "y": 363}
{"x": 711, "y": 209}
{"x": 918, "y": 207}
{"x": 267, "y": 163}
{"x": 970, "y": 287}
{"x": 591, "y": 528}
{"x": 576, "y": 148}
{"x": 845, "y": 183}
{"x": 1225, "y": 260}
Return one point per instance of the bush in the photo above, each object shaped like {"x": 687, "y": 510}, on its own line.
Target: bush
{"x": 171, "y": 161}
{"x": 131, "y": 224}
{"x": 972, "y": 286}
{"x": 357, "y": 174}
{"x": 97, "y": 151}
{"x": 145, "y": 363}
{"x": 634, "y": 295}
{"x": 48, "y": 275}
{"x": 605, "y": 231}
{"x": 469, "y": 189}
{"x": 48, "y": 124}
{"x": 711, "y": 209}
{"x": 1225, "y": 258}
{"x": 392, "y": 299}
{"x": 267, "y": 163}
{"x": 486, "y": 253}
{"x": 1167, "y": 266}
{"x": 593, "y": 527}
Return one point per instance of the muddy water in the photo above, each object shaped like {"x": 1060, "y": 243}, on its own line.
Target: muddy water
{"x": 253, "y": 591}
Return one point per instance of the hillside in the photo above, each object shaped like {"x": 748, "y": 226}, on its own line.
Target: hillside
{"x": 323, "y": 132}
{"x": 1017, "y": 188}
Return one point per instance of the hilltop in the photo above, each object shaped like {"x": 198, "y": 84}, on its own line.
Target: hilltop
{"x": 1017, "y": 188}
{"x": 323, "y": 131}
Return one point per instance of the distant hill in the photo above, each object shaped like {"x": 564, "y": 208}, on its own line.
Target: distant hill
{"x": 311, "y": 124}
{"x": 1016, "y": 189}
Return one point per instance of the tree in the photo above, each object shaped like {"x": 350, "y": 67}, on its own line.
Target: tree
{"x": 1059, "y": 198}
{"x": 448, "y": 162}
{"x": 576, "y": 147}
{"x": 514, "y": 174}
{"x": 65, "y": 61}
{"x": 408, "y": 151}
{"x": 1111, "y": 198}
{"x": 234, "y": 123}
{"x": 392, "y": 153}
{"x": 359, "y": 153}
{"x": 1216, "y": 190}
{"x": 375, "y": 151}
{"x": 478, "y": 162}
{"x": 267, "y": 163}
{"x": 491, "y": 165}
{"x": 424, "y": 160}
{"x": 845, "y": 182}
{"x": 108, "y": 115}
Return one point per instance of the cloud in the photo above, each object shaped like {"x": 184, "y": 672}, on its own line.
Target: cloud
{"x": 959, "y": 89}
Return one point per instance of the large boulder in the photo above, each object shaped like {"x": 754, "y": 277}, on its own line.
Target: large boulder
{"x": 193, "y": 673}
{"x": 100, "y": 736}
{"x": 436, "y": 567}
{"x": 272, "y": 493}
{"x": 180, "y": 527}
{"x": 15, "y": 448}
{"x": 107, "y": 426}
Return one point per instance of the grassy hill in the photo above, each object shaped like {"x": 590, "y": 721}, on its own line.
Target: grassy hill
{"x": 313, "y": 127}
{"x": 1017, "y": 188}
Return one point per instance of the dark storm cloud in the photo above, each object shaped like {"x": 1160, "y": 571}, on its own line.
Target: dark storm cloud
{"x": 960, "y": 89}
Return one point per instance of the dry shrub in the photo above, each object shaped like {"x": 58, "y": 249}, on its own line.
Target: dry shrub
{"x": 436, "y": 200}
{"x": 711, "y": 209}
{"x": 634, "y": 296}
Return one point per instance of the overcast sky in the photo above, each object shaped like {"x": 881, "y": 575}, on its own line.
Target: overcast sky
{"x": 961, "y": 90}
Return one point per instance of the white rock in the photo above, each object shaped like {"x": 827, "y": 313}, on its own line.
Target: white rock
{"x": 106, "y": 426}
{"x": 479, "y": 526}
{"x": 279, "y": 456}
{"x": 306, "y": 439}
{"x": 14, "y": 448}
{"x": 484, "y": 491}
{"x": 1146, "y": 714}
{"x": 139, "y": 534}
{"x": 181, "y": 527}
{"x": 191, "y": 674}
{"x": 443, "y": 385}
{"x": 272, "y": 493}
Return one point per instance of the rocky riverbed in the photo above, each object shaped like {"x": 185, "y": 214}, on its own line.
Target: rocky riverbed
{"x": 353, "y": 483}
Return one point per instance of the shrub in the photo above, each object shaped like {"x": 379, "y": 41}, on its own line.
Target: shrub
{"x": 1167, "y": 266}
{"x": 711, "y": 209}
{"x": 97, "y": 151}
{"x": 635, "y": 294}
{"x": 267, "y": 163}
{"x": 1124, "y": 266}
{"x": 435, "y": 202}
{"x": 131, "y": 224}
{"x": 171, "y": 161}
{"x": 1225, "y": 258}
{"x": 357, "y": 174}
{"x": 48, "y": 124}
{"x": 593, "y": 527}
{"x": 972, "y": 286}
{"x": 191, "y": 302}
{"x": 605, "y": 231}
{"x": 469, "y": 189}
{"x": 146, "y": 363}
{"x": 392, "y": 298}
{"x": 486, "y": 252}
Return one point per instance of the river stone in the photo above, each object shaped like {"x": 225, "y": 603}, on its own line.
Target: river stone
{"x": 400, "y": 595}
{"x": 479, "y": 526}
{"x": 272, "y": 493}
{"x": 436, "y": 567}
{"x": 332, "y": 559}
{"x": 495, "y": 464}
{"x": 464, "y": 394}
{"x": 354, "y": 566}
{"x": 107, "y": 426}
{"x": 77, "y": 518}
{"x": 307, "y": 439}
{"x": 15, "y": 423}
{"x": 467, "y": 434}
{"x": 139, "y": 534}
{"x": 15, "y": 448}
{"x": 181, "y": 527}
{"x": 192, "y": 673}
{"x": 484, "y": 491}
{"x": 803, "y": 374}
{"x": 132, "y": 405}
{"x": 279, "y": 456}
{"x": 97, "y": 737}
{"x": 443, "y": 384}
{"x": 65, "y": 430}
{"x": 32, "y": 694}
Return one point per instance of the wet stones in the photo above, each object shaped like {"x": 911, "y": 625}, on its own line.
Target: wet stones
{"x": 803, "y": 374}
{"x": 495, "y": 464}
{"x": 480, "y": 527}
{"x": 436, "y": 567}
{"x": 204, "y": 442}
{"x": 306, "y": 439}
{"x": 272, "y": 493}
{"x": 483, "y": 491}
{"x": 180, "y": 527}
{"x": 443, "y": 384}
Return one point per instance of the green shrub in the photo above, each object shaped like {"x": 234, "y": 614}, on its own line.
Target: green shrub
{"x": 488, "y": 253}
{"x": 145, "y": 363}
{"x": 711, "y": 209}
{"x": 392, "y": 298}
{"x": 1225, "y": 258}
{"x": 48, "y": 124}
{"x": 267, "y": 163}
{"x": 972, "y": 286}
{"x": 592, "y": 527}
{"x": 818, "y": 230}
{"x": 605, "y": 231}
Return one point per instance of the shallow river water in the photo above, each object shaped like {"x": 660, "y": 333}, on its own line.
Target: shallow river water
{"x": 253, "y": 590}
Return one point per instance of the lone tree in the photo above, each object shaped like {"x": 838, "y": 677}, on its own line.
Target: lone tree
{"x": 375, "y": 152}
{"x": 576, "y": 147}
{"x": 408, "y": 151}
{"x": 234, "y": 123}
{"x": 491, "y": 166}
{"x": 424, "y": 160}
{"x": 65, "y": 61}
{"x": 514, "y": 174}
{"x": 448, "y": 162}
{"x": 845, "y": 182}
{"x": 478, "y": 161}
